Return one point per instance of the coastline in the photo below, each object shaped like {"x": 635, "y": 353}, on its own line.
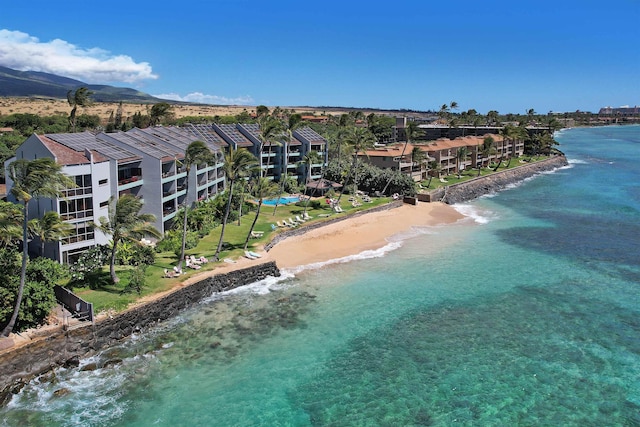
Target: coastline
{"x": 349, "y": 235}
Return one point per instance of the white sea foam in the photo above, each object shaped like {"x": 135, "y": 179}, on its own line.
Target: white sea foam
{"x": 577, "y": 162}
{"x": 474, "y": 213}
{"x": 374, "y": 253}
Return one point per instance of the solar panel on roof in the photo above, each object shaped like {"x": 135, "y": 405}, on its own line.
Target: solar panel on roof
{"x": 81, "y": 141}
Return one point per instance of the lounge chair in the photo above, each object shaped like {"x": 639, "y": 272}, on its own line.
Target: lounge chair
{"x": 338, "y": 209}
{"x": 247, "y": 254}
{"x": 229, "y": 261}
{"x": 273, "y": 227}
{"x": 280, "y": 224}
{"x": 306, "y": 216}
{"x": 294, "y": 222}
{"x": 193, "y": 260}
{"x": 169, "y": 274}
{"x": 300, "y": 220}
{"x": 257, "y": 234}
{"x": 289, "y": 224}
{"x": 192, "y": 265}
{"x": 254, "y": 254}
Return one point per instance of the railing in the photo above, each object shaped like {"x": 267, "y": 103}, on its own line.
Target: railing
{"x": 79, "y": 308}
{"x": 128, "y": 180}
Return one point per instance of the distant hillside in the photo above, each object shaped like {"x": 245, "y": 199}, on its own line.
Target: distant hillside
{"x": 34, "y": 84}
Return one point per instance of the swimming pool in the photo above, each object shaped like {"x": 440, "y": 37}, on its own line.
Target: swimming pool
{"x": 281, "y": 201}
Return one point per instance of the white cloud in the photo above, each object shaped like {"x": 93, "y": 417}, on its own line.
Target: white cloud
{"x": 201, "y": 98}
{"x": 23, "y": 52}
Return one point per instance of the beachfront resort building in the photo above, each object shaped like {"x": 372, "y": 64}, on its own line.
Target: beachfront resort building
{"x": 443, "y": 151}
{"x": 147, "y": 163}
{"x": 278, "y": 158}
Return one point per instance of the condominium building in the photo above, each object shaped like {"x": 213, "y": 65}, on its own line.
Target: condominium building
{"x": 277, "y": 157}
{"x": 143, "y": 162}
{"x": 147, "y": 163}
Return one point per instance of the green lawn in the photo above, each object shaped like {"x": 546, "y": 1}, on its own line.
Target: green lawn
{"x": 105, "y": 295}
{"x": 469, "y": 174}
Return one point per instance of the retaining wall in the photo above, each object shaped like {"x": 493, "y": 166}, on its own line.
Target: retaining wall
{"x": 19, "y": 365}
{"x": 477, "y": 187}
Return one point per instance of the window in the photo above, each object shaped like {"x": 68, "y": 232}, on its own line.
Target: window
{"x": 76, "y": 208}
{"x": 103, "y": 182}
{"x": 104, "y": 204}
{"x": 82, "y": 231}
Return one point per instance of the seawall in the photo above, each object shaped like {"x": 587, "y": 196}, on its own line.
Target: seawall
{"x": 65, "y": 347}
{"x": 480, "y": 186}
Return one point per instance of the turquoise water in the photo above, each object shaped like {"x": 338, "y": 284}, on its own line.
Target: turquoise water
{"x": 281, "y": 201}
{"x": 525, "y": 313}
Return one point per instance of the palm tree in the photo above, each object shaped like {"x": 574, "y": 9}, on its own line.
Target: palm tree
{"x": 492, "y": 117}
{"x": 49, "y": 228}
{"x": 79, "y": 98}
{"x": 360, "y": 140}
{"x": 10, "y": 223}
{"x": 461, "y": 155}
{"x": 237, "y": 165}
{"x": 159, "y": 111}
{"x": 41, "y": 177}
{"x": 418, "y": 156}
{"x": 197, "y": 153}
{"x": 261, "y": 188}
{"x": 435, "y": 167}
{"x": 126, "y": 223}
{"x": 486, "y": 149}
{"x": 309, "y": 159}
{"x": 270, "y": 129}
{"x": 410, "y": 130}
{"x": 292, "y": 123}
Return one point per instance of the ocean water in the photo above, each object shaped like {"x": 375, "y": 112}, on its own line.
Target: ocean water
{"x": 525, "y": 313}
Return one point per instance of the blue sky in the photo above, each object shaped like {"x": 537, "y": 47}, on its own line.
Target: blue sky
{"x": 561, "y": 55}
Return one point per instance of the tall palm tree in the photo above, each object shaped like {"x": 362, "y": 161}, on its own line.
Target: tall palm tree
{"x": 461, "y": 155}
{"x": 41, "y": 177}
{"x": 410, "y": 130}
{"x": 360, "y": 140}
{"x": 434, "y": 168}
{"x": 197, "y": 153}
{"x": 486, "y": 149}
{"x": 80, "y": 98}
{"x": 10, "y": 223}
{"x": 237, "y": 165}
{"x": 270, "y": 130}
{"x": 261, "y": 188}
{"x": 418, "y": 156}
{"x": 126, "y": 223}
{"x": 49, "y": 228}
{"x": 291, "y": 123}
{"x": 309, "y": 159}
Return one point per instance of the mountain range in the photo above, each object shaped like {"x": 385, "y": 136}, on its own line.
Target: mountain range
{"x": 36, "y": 84}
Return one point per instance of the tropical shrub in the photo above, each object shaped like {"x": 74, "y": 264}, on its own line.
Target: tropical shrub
{"x": 143, "y": 255}
{"x": 38, "y": 298}
{"x": 89, "y": 261}
{"x": 136, "y": 280}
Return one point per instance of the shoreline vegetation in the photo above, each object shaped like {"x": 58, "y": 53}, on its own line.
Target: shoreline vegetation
{"x": 339, "y": 237}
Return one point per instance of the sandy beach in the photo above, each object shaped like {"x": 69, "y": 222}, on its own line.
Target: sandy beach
{"x": 344, "y": 238}
{"x": 335, "y": 240}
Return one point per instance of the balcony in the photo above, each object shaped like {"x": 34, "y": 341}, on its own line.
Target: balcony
{"x": 126, "y": 183}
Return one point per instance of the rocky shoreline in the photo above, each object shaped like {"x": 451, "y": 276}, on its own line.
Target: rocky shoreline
{"x": 66, "y": 347}
{"x": 480, "y": 186}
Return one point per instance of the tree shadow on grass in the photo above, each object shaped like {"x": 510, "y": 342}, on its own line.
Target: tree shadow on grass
{"x": 97, "y": 281}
